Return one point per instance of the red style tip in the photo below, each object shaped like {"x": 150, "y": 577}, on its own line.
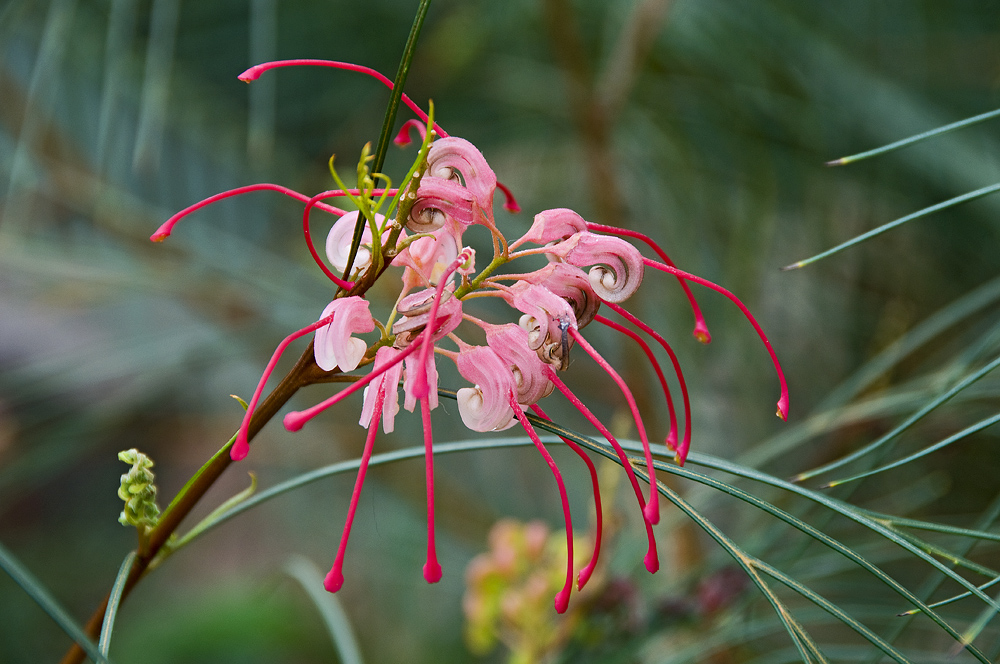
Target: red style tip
{"x": 294, "y": 420}
{"x": 432, "y": 571}
{"x": 584, "y": 575}
{"x": 701, "y": 333}
{"x": 240, "y": 449}
{"x": 159, "y": 236}
{"x": 651, "y": 512}
{"x": 562, "y": 600}
{"x": 652, "y": 562}
{"x": 251, "y": 74}
{"x": 783, "y": 407}
{"x": 333, "y": 581}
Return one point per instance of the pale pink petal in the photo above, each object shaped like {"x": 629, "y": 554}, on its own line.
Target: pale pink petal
{"x": 333, "y": 345}
{"x": 449, "y": 158}
{"x": 485, "y": 407}
{"x": 338, "y": 242}
{"x": 510, "y": 342}
{"x": 412, "y": 364}
{"x": 438, "y": 201}
{"x": 618, "y": 266}
{"x": 415, "y": 310}
{"x": 553, "y": 226}
{"x": 427, "y": 258}
{"x": 571, "y": 284}
{"x": 389, "y": 379}
{"x": 547, "y": 319}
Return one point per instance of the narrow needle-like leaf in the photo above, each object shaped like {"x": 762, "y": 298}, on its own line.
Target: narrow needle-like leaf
{"x": 341, "y": 633}
{"x": 968, "y": 431}
{"x": 964, "y": 198}
{"x": 850, "y": 159}
{"x": 114, "y": 600}
{"x": 927, "y": 408}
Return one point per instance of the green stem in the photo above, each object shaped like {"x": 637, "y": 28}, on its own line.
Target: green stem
{"x": 390, "y": 118}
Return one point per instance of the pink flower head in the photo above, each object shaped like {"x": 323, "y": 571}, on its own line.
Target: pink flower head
{"x": 553, "y": 226}
{"x": 333, "y": 345}
{"x": 618, "y": 266}
{"x": 510, "y": 342}
{"x": 416, "y": 308}
{"x": 387, "y": 380}
{"x": 571, "y": 284}
{"x": 458, "y": 160}
{"x": 547, "y": 319}
{"x": 338, "y": 242}
{"x": 485, "y": 407}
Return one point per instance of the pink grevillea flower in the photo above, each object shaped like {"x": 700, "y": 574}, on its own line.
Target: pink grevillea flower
{"x": 552, "y": 226}
{"x": 333, "y": 345}
{"x": 386, "y": 383}
{"x": 338, "y": 242}
{"x": 571, "y": 284}
{"x": 618, "y": 266}
{"x": 547, "y": 319}
{"x": 426, "y": 258}
{"x": 486, "y": 406}
{"x": 458, "y": 160}
{"x": 510, "y": 343}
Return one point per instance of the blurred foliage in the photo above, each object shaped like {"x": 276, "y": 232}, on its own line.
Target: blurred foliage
{"x": 703, "y": 123}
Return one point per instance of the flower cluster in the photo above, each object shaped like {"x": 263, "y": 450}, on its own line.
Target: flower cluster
{"x": 511, "y": 366}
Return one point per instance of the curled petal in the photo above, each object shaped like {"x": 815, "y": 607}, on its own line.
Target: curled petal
{"x": 547, "y": 319}
{"x": 553, "y": 226}
{"x": 416, "y": 308}
{"x": 618, "y": 266}
{"x": 485, "y": 407}
{"x": 438, "y": 201}
{"x": 458, "y": 160}
{"x": 338, "y": 242}
{"x": 333, "y": 345}
{"x": 387, "y": 381}
{"x": 427, "y": 258}
{"x": 510, "y": 342}
{"x": 571, "y": 284}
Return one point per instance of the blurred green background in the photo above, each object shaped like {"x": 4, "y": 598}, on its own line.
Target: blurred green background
{"x": 703, "y": 123}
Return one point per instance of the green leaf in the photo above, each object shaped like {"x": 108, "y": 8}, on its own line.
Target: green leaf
{"x": 114, "y": 600}
{"x": 902, "y": 143}
{"x": 951, "y": 202}
{"x": 310, "y": 578}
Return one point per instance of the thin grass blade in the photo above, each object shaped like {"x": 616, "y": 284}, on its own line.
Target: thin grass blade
{"x": 341, "y": 633}
{"x": 114, "y": 601}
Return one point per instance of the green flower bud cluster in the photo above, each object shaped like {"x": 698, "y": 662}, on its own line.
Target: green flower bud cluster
{"x": 138, "y": 490}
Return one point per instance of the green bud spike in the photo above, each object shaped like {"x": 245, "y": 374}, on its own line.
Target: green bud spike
{"x": 138, "y": 490}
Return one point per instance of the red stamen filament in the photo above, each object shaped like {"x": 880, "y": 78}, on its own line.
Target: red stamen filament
{"x": 241, "y": 447}
{"x": 587, "y": 571}
{"x": 164, "y": 231}
{"x": 335, "y": 579}
{"x": 701, "y": 332}
{"x": 420, "y": 386}
{"x": 652, "y": 508}
{"x": 562, "y": 597}
{"x": 672, "y": 436}
{"x": 432, "y": 569}
{"x": 682, "y": 450}
{"x": 651, "y": 560}
{"x": 294, "y": 420}
{"x": 254, "y": 73}
{"x": 783, "y": 399}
